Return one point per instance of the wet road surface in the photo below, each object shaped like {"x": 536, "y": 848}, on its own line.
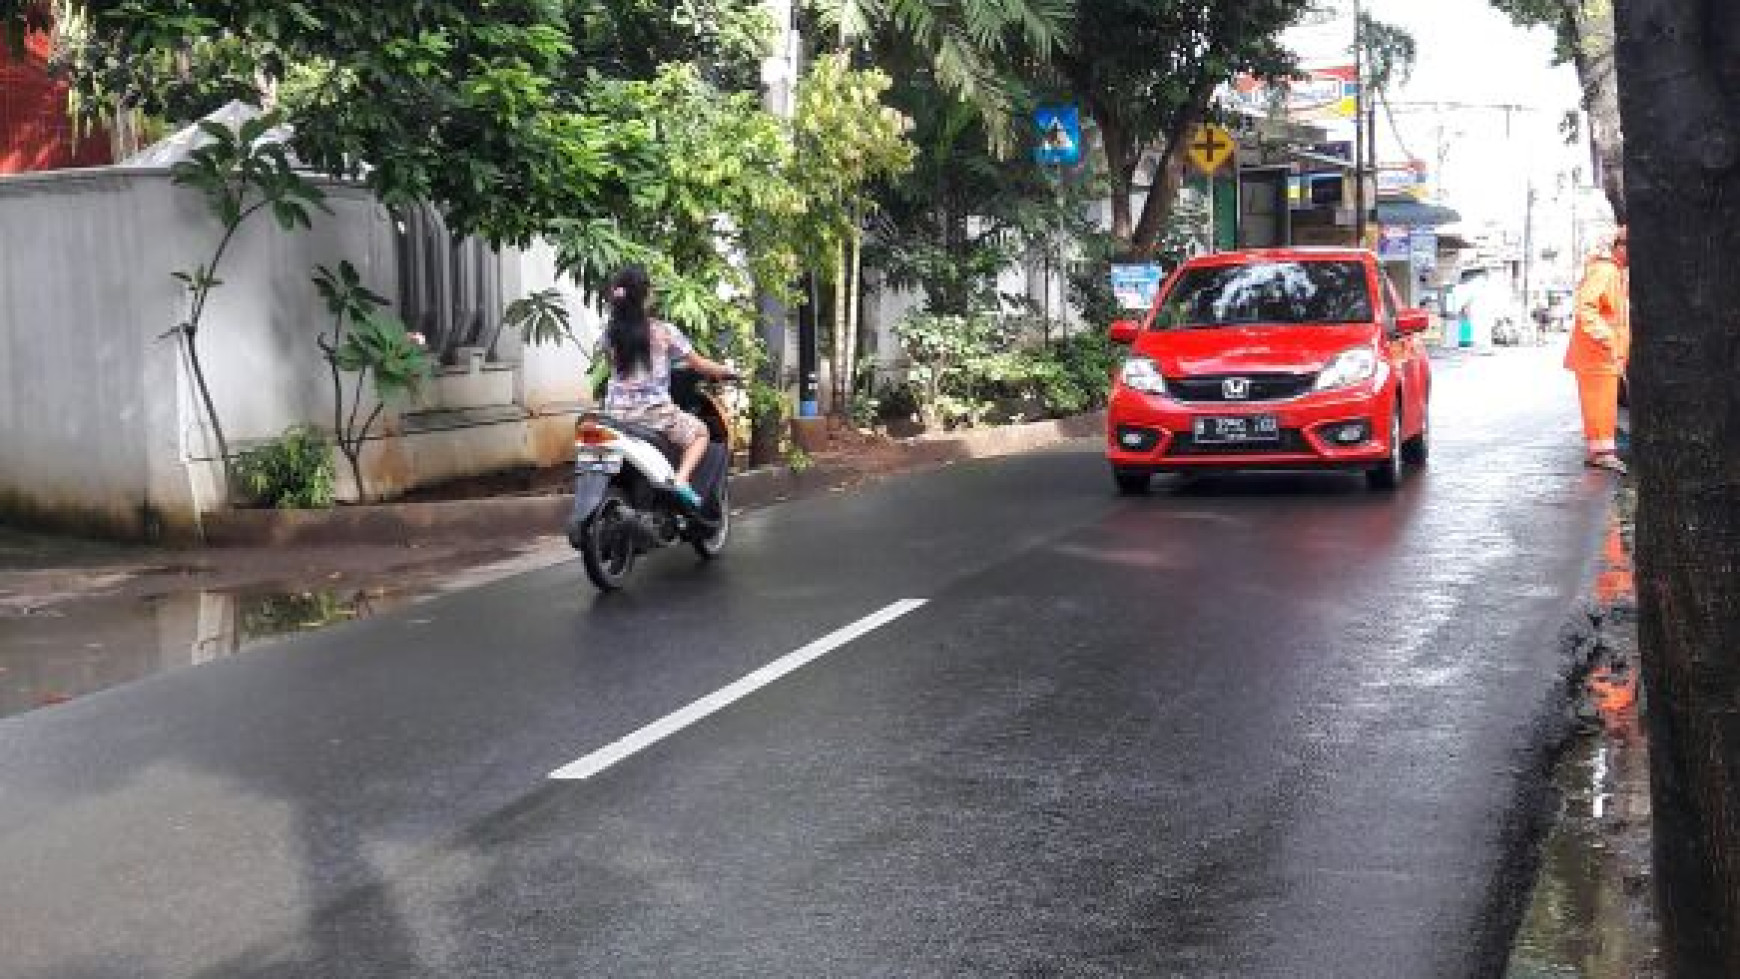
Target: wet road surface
{"x": 1262, "y": 727}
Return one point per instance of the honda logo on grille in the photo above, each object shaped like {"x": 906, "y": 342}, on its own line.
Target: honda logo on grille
{"x": 1236, "y": 388}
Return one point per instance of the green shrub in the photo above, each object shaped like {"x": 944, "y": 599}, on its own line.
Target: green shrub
{"x": 1083, "y": 377}
{"x": 1067, "y": 376}
{"x": 897, "y": 401}
{"x": 292, "y": 472}
{"x": 962, "y": 366}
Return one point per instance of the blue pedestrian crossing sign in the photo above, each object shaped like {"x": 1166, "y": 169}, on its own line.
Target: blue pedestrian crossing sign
{"x": 1058, "y": 128}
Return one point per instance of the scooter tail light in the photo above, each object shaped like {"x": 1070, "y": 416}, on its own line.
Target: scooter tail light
{"x": 589, "y": 432}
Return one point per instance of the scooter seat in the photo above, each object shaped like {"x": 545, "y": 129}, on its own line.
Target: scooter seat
{"x": 647, "y": 434}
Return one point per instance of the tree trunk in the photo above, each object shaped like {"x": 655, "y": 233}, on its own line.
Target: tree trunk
{"x": 1164, "y": 195}
{"x": 766, "y": 428}
{"x": 1121, "y": 165}
{"x": 1680, "y": 65}
{"x": 841, "y": 384}
{"x": 1157, "y": 210}
{"x": 854, "y": 311}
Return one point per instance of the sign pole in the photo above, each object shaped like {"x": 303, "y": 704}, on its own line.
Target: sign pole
{"x": 1359, "y": 160}
{"x": 1213, "y": 223}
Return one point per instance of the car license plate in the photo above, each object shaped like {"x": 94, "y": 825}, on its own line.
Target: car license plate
{"x": 1233, "y": 429}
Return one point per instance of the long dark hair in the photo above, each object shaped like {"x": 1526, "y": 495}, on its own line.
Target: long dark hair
{"x": 629, "y": 333}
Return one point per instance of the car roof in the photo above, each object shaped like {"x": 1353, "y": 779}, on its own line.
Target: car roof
{"x": 1257, "y": 256}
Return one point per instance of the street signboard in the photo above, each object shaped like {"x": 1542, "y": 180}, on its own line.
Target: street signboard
{"x": 1135, "y": 286}
{"x": 1423, "y": 242}
{"x": 1323, "y": 94}
{"x": 1210, "y": 148}
{"x": 1395, "y": 245}
{"x": 1059, "y": 130}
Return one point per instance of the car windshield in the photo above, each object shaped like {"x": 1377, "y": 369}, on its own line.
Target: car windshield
{"x": 1270, "y": 293}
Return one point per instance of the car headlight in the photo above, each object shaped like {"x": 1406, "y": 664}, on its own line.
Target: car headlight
{"x": 1348, "y": 368}
{"x": 1142, "y": 374}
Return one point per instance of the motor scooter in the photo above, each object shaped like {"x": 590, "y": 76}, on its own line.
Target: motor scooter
{"x": 624, "y": 506}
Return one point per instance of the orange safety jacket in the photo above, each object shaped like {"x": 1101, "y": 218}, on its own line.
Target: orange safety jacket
{"x": 1601, "y": 339}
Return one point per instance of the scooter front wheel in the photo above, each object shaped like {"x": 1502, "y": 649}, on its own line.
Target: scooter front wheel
{"x": 712, "y": 545}
{"x": 607, "y": 545}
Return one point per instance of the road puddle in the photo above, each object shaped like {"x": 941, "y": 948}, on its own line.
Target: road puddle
{"x": 1592, "y": 915}
{"x": 52, "y": 655}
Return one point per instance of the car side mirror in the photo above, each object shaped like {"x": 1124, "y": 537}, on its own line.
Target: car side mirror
{"x": 1126, "y": 331}
{"x": 1412, "y": 321}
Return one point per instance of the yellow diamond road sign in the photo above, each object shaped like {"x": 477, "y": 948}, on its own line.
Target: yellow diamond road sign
{"x": 1211, "y": 148}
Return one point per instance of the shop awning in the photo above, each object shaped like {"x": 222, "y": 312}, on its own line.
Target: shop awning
{"x": 1413, "y": 214}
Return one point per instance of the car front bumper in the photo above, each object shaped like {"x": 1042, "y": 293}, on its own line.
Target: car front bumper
{"x": 1156, "y": 433}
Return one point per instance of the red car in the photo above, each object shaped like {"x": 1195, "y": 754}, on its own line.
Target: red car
{"x": 1285, "y": 359}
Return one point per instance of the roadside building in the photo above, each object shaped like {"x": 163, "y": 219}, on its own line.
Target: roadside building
{"x": 35, "y": 131}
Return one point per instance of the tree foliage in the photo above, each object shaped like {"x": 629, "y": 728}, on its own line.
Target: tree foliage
{"x": 1390, "y": 54}
{"x": 1146, "y": 71}
{"x": 632, "y": 39}
{"x": 983, "y": 53}
{"x": 717, "y": 197}
{"x": 1584, "y": 30}
{"x": 460, "y": 103}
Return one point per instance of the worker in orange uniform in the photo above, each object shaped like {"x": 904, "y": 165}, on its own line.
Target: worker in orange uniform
{"x": 1601, "y": 348}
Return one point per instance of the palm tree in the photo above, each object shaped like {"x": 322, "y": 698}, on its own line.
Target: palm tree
{"x": 982, "y": 52}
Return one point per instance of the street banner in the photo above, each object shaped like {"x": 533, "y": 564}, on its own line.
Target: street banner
{"x": 1395, "y": 245}
{"x": 1323, "y": 94}
{"x": 1135, "y": 286}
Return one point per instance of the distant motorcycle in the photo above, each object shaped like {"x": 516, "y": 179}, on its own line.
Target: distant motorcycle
{"x": 623, "y": 504}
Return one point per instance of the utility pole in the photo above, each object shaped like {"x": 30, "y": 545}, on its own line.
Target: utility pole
{"x": 1359, "y": 123}
{"x": 779, "y": 72}
{"x": 1528, "y": 247}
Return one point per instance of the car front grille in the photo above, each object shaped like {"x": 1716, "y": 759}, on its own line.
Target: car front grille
{"x": 1211, "y": 389}
{"x": 1292, "y": 442}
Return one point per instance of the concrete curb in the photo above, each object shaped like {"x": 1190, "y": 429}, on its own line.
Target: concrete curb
{"x": 515, "y": 517}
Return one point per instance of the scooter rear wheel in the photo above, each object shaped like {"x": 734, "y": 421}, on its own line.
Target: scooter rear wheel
{"x": 607, "y": 545}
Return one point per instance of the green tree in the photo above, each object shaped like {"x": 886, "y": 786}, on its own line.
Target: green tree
{"x": 1390, "y": 53}
{"x": 1146, "y": 71}
{"x": 632, "y": 39}
{"x": 459, "y": 103}
{"x": 947, "y": 228}
{"x": 845, "y": 140}
{"x": 700, "y": 197}
{"x": 716, "y": 195}
{"x": 1584, "y": 29}
{"x": 984, "y": 53}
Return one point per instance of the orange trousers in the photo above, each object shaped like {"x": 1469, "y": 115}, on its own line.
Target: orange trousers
{"x": 1599, "y": 394}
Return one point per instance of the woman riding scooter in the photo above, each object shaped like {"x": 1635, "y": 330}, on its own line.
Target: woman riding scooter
{"x": 642, "y": 352}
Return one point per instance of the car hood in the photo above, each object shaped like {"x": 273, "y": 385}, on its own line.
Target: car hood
{"x": 1249, "y": 350}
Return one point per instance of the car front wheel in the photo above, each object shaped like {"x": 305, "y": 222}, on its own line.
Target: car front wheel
{"x": 1388, "y": 475}
{"x": 1417, "y": 450}
{"x": 1131, "y": 482}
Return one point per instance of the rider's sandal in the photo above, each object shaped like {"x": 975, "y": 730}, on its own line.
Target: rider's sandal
{"x": 687, "y": 494}
{"x": 1607, "y": 461}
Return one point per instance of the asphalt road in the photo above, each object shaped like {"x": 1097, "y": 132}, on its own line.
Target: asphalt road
{"x": 1261, "y": 727}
